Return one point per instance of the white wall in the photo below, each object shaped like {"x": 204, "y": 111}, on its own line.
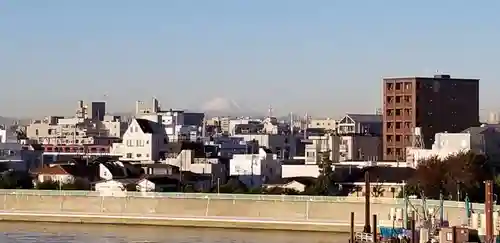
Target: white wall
{"x": 255, "y": 169}
{"x": 290, "y": 171}
{"x": 3, "y": 135}
{"x": 445, "y": 144}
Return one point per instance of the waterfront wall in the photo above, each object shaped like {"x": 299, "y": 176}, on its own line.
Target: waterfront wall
{"x": 224, "y": 207}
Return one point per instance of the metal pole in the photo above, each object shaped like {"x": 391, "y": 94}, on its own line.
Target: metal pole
{"x": 367, "y": 203}
{"x": 488, "y": 210}
{"x": 374, "y": 228}
{"x": 405, "y": 208}
{"x": 218, "y": 185}
{"x": 352, "y": 227}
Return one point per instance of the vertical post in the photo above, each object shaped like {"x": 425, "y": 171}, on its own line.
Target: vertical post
{"x": 413, "y": 233}
{"x": 352, "y": 227}
{"x": 367, "y": 202}
{"x": 454, "y": 234}
{"x": 488, "y": 210}
{"x": 405, "y": 208}
{"x": 374, "y": 228}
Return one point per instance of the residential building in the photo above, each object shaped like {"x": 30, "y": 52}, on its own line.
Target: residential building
{"x": 360, "y": 147}
{"x": 433, "y": 104}
{"x": 21, "y": 157}
{"x": 484, "y": 139}
{"x": 80, "y": 129}
{"x": 97, "y": 111}
{"x": 316, "y": 146}
{"x": 144, "y": 141}
{"x": 197, "y": 158}
{"x": 327, "y": 124}
{"x": 66, "y": 173}
{"x": 3, "y": 134}
{"x": 178, "y": 124}
{"x": 281, "y": 145}
{"x": 360, "y": 124}
{"x": 228, "y": 146}
{"x": 255, "y": 169}
{"x": 387, "y": 182}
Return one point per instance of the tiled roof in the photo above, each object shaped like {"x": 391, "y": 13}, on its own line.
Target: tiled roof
{"x": 365, "y": 118}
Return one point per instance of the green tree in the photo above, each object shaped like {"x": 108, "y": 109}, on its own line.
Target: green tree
{"x": 48, "y": 185}
{"x": 459, "y": 174}
{"x": 77, "y": 184}
{"x": 324, "y": 184}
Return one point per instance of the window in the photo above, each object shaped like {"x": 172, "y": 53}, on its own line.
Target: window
{"x": 398, "y": 125}
{"x": 398, "y": 99}
{"x": 407, "y": 98}
{"x": 398, "y": 86}
{"x": 390, "y": 86}
{"x": 398, "y": 138}
{"x": 407, "y": 86}
{"x": 129, "y": 155}
{"x": 390, "y": 125}
{"x": 36, "y": 132}
{"x": 398, "y": 112}
{"x": 389, "y": 138}
{"x": 138, "y": 155}
{"x": 407, "y": 112}
{"x": 389, "y": 112}
{"x": 407, "y": 124}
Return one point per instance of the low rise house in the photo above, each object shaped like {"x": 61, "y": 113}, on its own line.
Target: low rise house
{"x": 298, "y": 184}
{"x": 67, "y": 173}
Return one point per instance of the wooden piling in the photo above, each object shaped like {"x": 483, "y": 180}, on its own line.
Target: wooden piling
{"x": 367, "y": 202}
{"x": 413, "y": 232}
{"x": 454, "y": 234}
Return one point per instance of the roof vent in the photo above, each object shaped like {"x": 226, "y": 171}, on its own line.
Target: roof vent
{"x": 442, "y": 76}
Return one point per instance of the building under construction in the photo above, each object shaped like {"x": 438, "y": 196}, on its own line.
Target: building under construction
{"x": 435, "y": 104}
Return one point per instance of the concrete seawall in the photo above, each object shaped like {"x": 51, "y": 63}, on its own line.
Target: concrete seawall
{"x": 211, "y": 210}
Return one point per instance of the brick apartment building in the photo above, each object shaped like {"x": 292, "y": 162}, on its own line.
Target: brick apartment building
{"x": 435, "y": 104}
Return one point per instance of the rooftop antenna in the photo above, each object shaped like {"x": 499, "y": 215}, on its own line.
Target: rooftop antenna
{"x": 306, "y": 125}
{"x": 270, "y": 111}
{"x": 291, "y": 123}
{"x": 418, "y": 143}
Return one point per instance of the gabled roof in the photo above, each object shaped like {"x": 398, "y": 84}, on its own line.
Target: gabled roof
{"x": 365, "y": 118}
{"x": 146, "y": 126}
{"x": 82, "y": 171}
{"x": 386, "y": 174}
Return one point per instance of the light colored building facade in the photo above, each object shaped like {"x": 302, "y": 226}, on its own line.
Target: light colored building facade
{"x": 144, "y": 141}
{"x": 255, "y": 169}
{"x": 482, "y": 140}
{"x": 80, "y": 129}
{"x": 327, "y": 124}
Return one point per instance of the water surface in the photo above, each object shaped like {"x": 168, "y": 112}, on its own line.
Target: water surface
{"x": 78, "y": 233}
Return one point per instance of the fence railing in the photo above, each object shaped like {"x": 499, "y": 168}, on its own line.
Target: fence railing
{"x": 215, "y": 196}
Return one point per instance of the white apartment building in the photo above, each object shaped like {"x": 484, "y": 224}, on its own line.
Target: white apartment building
{"x": 144, "y": 141}
{"x": 178, "y": 124}
{"x": 281, "y": 145}
{"x": 315, "y": 146}
{"x": 88, "y": 126}
{"x": 3, "y": 135}
{"x": 482, "y": 140}
{"x": 255, "y": 169}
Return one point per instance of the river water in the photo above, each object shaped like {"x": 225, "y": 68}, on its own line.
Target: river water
{"x": 77, "y": 233}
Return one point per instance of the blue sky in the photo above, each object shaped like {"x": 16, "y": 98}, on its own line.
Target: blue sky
{"x": 325, "y": 57}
